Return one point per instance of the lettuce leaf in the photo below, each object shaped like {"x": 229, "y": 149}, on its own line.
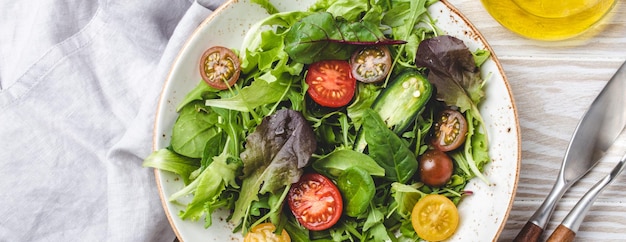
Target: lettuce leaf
{"x": 405, "y": 197}
{"x": 453, "y": 71}
{"x": 274, "y": 157}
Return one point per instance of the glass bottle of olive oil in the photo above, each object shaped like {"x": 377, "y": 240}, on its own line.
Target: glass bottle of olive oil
{"x": 548, "y": 19}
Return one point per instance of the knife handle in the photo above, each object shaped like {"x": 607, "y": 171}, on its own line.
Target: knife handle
{"x": 562, "y": 234}
{"x": 529, "y": 233}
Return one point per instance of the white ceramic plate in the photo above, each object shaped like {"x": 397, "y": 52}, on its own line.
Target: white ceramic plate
{"x": 482, "y": 215}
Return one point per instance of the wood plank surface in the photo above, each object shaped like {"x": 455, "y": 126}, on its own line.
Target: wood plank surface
{"x": 553, "y": 83}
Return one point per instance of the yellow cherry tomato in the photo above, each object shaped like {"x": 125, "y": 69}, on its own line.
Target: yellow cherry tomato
{"x": 435, "y": 217}
{"x": 265, "y": 233}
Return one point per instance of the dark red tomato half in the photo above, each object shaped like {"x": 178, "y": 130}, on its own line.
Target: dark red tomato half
{"x": 450, "y": 130}
{"x": 331, "y": 83}
{"x": 219, "y": 67}
{"x": 371, "y": 63}
{"x": 435, "y": 168}
{"x": 315, "y": 201}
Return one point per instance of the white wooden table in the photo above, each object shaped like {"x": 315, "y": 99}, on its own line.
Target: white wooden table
{"x": 553, "y": 83}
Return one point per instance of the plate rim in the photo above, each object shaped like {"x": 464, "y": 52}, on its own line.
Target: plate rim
{"x": 497, "y": 62}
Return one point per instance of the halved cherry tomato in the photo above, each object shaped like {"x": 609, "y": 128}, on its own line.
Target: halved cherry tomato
{"x": 331, "y": 83}
{"x": 265, "y": 232}
{"x": 315, "y": 201}
{"x": 450, "y": 130}
{"x": 435, "y": 168}
{"x": 219, "y": 67}
{"x": 435, "y": 217}
{"x": 371, "y": 63}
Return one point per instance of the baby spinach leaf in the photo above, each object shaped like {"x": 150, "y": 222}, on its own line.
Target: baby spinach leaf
{"x": 335, "y": 163}
{"x": 275, "y": 153}
{"x": 201, "y": 92}
{"x": 320, "y": 36}
{"x": 358, "y": 189}
{"x": 387, "y": 149}
{"x": 193, "y": 128}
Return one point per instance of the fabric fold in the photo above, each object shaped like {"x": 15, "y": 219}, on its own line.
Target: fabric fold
{"x": 77, "y": 122}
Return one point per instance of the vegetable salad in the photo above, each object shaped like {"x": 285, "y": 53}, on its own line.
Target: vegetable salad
{"x": 356, "y": 120}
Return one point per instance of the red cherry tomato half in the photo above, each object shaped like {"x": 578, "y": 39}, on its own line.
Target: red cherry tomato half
{"x": 371, "y": 63}
{"x": 315, "y": 201}
{"x": 435, "y": 168}
{"x": 219, "y": 67}
{"x": 449, "y": 131}
{"x": 331, "y": 83}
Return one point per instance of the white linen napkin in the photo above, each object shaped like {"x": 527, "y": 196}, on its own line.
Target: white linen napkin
{"x": 79, "y": 84}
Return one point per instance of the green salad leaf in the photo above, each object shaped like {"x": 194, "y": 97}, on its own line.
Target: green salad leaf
{"x": 258, "y": 93}
{"x": 168, "y": 160}
{"x": 335, "y": 163}
{"x": 357, "y": 189}
{"x": 387, "y": 149}
{"x": 211, "y": 182}
{"x": 321, "y": 36}
{"x": 241, "y": 149}
{"x": 274, "y": 157}
{"x": 351, "y": 10}
{"x": 193, "y": 127}
{"x": 453, "y": 71}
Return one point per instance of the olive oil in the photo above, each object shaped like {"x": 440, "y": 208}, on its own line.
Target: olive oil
{"x": 548, "y": 19}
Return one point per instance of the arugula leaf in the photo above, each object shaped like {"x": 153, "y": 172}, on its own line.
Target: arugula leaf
{"x": 404, "y": 18}
{"x": 380, "y": 233}
{"x": 275, "y": 153}
{"x": 375, "y": 216}
{"x": 364, "y": 98}
{"x": 387, "y": 149}
{"x": 321, "y": 36}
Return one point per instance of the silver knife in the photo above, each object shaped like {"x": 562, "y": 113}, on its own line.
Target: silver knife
{"x": 594, "y": 134}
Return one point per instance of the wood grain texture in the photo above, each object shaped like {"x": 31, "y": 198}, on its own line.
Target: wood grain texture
{"x": 529, "y": 233}
{"x": 562, "y": 234}
{"x": 553, "y": 84}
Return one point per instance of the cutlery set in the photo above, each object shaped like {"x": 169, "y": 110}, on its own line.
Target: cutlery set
{"x": 596, "y": 132}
